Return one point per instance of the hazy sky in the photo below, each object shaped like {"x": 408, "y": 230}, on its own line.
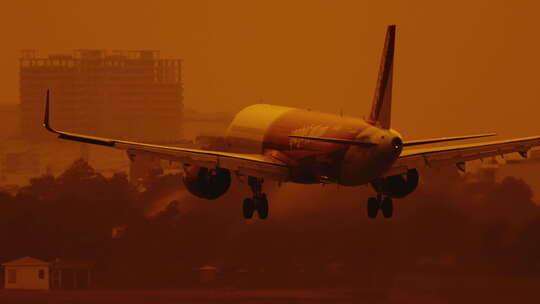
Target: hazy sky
{"x": 462, "y": 66}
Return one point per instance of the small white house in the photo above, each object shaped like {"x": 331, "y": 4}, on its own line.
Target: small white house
{"x": 26, "y": 273}
{"x": 32, "y": 273}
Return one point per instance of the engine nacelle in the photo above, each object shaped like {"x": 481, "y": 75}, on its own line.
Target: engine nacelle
{"x": 207, "y": 183}
{"x": 397, "y": 186}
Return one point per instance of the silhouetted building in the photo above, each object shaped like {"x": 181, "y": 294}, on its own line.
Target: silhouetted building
{"x": 9, "y": 121}
{"x": 133, "y": 95}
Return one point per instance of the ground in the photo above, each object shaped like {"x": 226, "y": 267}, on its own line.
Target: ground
{"x": 411, "y": 290}
{"x": 172, "y": 296}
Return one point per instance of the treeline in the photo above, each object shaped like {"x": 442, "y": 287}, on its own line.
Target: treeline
{"x": 315, "y": 236}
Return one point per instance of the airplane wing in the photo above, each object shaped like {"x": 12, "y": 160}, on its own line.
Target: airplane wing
{"x": 459, "y": 154}
{"x": 405, "y": 143}
{"x": 257, "y": 165}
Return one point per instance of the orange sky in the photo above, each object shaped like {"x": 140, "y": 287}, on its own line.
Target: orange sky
{"x": 462, "y": 66}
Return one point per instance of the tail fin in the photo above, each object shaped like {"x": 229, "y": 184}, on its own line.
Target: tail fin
{"x": 382, "y": 101}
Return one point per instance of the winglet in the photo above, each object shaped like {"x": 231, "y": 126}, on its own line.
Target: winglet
{"x": 46, "y": 118}
{"x": 382, "y": 100}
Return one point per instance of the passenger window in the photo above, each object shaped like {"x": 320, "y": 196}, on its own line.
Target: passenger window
{"x": 41, "y": 274}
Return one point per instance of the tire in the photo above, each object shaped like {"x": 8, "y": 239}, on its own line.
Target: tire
{"x": 248, "y": 208}
{"x": 387, "y": 207}
{"x": 262, "y": 207}
{"x": 372, "y": 207}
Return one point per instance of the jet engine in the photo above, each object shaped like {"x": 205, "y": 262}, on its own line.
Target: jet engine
{"x": 397, "y": 186}
{"x": 207, "y": 183}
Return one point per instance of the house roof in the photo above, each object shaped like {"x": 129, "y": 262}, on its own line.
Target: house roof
{"x": 26, "y": 261}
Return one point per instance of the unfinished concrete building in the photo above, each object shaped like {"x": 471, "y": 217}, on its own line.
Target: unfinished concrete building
{"x": 132, "y": 95}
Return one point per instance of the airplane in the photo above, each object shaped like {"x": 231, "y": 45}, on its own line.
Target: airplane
{"x": 269, "y": 142}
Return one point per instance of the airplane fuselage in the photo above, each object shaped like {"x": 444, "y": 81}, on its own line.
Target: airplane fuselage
{"x": 263, "y": 128}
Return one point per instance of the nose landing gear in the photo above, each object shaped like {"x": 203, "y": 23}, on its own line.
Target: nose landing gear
{"x": 258, "y": 202}
{"x": 385, "y": 204}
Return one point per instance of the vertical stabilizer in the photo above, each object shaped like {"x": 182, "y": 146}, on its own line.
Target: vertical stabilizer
{"x": 382, "y": 101}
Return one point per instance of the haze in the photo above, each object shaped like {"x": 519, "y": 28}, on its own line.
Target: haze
{"x": 462, "y": 66}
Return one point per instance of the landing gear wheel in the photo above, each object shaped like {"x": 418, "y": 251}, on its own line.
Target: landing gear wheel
{"x": 387, "y": 207}
{"x": 262, "y": 206}
{"x": 259, "y": 201}
{"x": 248, "y": 208}
{"x": 372, "y": 207}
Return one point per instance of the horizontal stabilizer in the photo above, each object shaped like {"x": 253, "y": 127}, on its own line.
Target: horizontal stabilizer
{"x": 335, "y": 140}
{"x": 443, "y": 139}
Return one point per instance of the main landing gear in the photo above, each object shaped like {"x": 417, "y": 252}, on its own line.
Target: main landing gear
{"x": 259, "y": 202}
{"x": 385, "y": 204}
